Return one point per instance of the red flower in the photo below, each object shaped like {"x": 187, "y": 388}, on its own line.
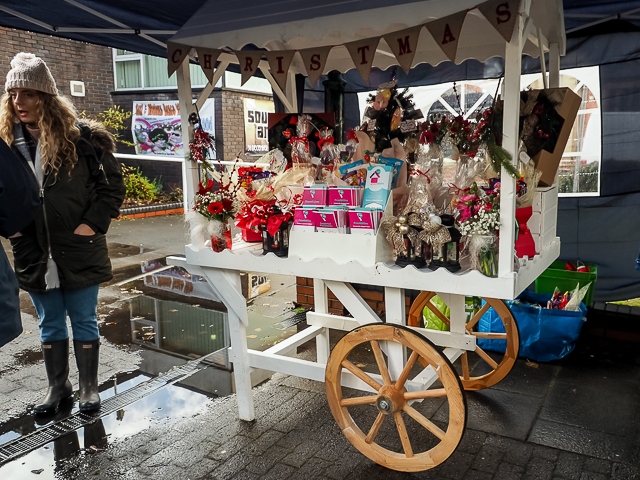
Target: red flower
{"x": 215, "y": 208}
{"x": 293, "y": 120}
{"x": 205, "y": 189}
{"x": 227, "y": 204}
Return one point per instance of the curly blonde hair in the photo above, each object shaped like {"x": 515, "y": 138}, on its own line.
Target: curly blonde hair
{"x": 57, "y": 123}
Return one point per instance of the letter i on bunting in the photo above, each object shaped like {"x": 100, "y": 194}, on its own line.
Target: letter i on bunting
{"x": 502, "y": 15}
{"x": 403, "y": 44}
{"x": 176, "y": 54}
{"x": 248, "y": 60}
{"x": 207, "y": 59}
{"x": 446, "y": 32}
{"x": 314, "y": 60}
{"x": 362, "y": 53}
{"x": 279, "y": 63}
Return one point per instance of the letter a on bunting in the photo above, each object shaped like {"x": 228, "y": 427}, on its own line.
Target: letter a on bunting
{"x": 403, "y": 44}
{"x": 207, "y": 58}
{"x": 279, "y": 63}
{"x": 446, "y": 32}
{"x": 362, "y": 53}
{"x": 502, "y": 14}
{"x": 314, "y": 60}
{"x": 248, "y": 60}
{"x": 176, "y": 54}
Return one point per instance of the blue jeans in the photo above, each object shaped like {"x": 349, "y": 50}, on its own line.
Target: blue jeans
{"x": 54, "y": 306}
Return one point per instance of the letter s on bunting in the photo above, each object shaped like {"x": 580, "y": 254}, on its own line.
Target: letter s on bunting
{"x": 502, "y": 14}
{"x": 314, "y": 60}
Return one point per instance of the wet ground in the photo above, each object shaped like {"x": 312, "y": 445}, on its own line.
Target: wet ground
{"x": 574, "y": 419}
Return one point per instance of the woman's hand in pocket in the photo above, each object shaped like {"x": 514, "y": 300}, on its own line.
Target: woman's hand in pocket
{"x": 84, "y": 229}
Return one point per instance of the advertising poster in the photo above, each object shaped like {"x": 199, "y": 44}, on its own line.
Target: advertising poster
{"x": 256, "y": 114}
{"x": 157, "y": 129}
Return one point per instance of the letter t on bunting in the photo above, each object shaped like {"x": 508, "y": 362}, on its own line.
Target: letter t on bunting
{"x": 207, "y": 59}
{"x": 362, "y": 53}
{"x": 279, "y": 63}
{"x": 502, "y": 14}
{"x": 403, "y": 44}
{"x": 446, "y": 32}
{"x": 248, "y": 60}
{"x": 314, "y": 60}
{"x": 176, "y": 54}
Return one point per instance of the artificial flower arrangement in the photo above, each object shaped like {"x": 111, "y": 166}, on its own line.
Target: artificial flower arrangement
{"x": 479, "y": 221}
{"x": 217, "y": 204}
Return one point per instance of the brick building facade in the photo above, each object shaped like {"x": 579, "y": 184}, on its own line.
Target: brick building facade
{"x": 70, "y": 60}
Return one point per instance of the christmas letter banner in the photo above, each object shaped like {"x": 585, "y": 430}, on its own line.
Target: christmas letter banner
{"x": 446, "y": 32}
{"x": 176, "y": 54}
{"x": 502, "y": 15}
{"x": 314, "y": 60}
{"x": 249, "y": 60}
{"x": 403, "y": 44}
{"x": 207, "y": 59}
{"x": 362, "y": 53}
{"x": 279, "y": 62}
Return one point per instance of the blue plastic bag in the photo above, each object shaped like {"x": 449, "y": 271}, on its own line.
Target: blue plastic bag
{"x": 545, "y": 334}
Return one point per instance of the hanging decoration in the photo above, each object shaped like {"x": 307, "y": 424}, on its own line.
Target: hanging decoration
{"x": 501, "y": 14}
{"x": 207, "y": 58}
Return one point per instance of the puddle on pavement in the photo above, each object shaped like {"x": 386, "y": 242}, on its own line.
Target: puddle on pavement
{"x": 172, "y": 402}
{"x": 174, "y": 319}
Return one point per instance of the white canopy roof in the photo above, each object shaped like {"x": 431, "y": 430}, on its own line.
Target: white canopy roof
{"x": 303, "y": 24}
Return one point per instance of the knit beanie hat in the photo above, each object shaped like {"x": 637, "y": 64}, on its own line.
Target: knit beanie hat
{"x": 29, "y": 71}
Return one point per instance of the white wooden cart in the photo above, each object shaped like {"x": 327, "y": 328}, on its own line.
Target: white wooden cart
{"x": 409, "y": 367}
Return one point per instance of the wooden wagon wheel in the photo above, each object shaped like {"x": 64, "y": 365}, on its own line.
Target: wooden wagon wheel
{"x": 497, "y": 370}
{"x": 390, "y": 445}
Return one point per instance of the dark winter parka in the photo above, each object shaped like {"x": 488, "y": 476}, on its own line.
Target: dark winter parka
{"x": 91, "y": 192}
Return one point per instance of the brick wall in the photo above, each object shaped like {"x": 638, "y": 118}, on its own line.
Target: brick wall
{"x": 68, "y": 60}
{"x": 372, "y": 295}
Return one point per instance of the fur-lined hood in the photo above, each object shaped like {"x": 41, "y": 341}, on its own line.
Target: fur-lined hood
{"x": 98, "y": 135}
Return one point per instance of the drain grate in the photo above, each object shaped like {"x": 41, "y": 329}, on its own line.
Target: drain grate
{"x": 291, "y": 321}
{"x": 34, "y": 440}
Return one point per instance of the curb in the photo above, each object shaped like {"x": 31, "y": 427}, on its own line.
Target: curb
{"x": 152, "y": 211}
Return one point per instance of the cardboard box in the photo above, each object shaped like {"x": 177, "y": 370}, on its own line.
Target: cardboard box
{"x": 567, "y": 108}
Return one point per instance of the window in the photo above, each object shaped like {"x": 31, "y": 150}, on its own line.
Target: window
{"x": 134, "y": 71}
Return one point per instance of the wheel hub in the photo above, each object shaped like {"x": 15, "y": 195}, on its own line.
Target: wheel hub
{"x": 390, "y": 400}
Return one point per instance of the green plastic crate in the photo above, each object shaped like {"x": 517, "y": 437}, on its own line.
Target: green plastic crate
{"x": 567, "y": 280}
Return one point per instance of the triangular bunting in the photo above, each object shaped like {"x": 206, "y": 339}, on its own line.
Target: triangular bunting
{"x": 502, "y": 14}
{"x": 314, "y": 60}
{"x": 279, "y": 63}
{"x": 176, "y": 54}
{"x": 248, "y": 60}
{"x": 446, "y": 33}
{"x": 362, "y": 53}
{"x": 403, "y": 44}
{"x": 207, "y": 58}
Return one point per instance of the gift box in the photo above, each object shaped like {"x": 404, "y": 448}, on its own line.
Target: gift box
{"x": 251, "y": 235}
{"x": 542, "y": 223}
{"x": 567, "y": 104}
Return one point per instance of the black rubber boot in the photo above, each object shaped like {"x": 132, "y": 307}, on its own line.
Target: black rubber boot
{"x": 87, "y": 361}
{"x": 56, "y": 363}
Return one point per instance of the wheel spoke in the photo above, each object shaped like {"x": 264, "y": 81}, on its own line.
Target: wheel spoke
{"x": 434, "y": 393}
{"x": 371, "y": 436}
{"x": 407, "y": 369}
{"x": 404, "y": 436}
{"x": 485, "y": 356}
{"x": 491, "y": 335}
{"x": 361, "y": 375}
{"x": 382, "y": 365}
{"x": 424, "y": 421}
{"x": 464, "y": 360}
{"x": 348, "y": 402}
{"x": 472, "y": 323}
{"x": 438, "y": 313}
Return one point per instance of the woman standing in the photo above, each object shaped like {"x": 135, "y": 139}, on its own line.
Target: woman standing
{"x": 61, "y": 258}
